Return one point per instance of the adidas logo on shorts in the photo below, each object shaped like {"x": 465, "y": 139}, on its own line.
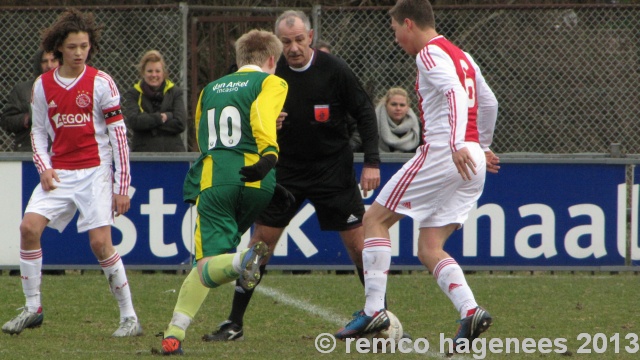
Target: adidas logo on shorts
{"x": 352, "y": 218}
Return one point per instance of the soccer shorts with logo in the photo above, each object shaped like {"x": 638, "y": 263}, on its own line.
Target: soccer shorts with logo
{"x": 89, "y": 191}
{"x": 429, "y": 189}
{"x": 330, "y": 186}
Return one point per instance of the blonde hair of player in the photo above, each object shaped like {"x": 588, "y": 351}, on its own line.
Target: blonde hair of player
{"x": 256, "y": 47}
{"x": 152, "y": 56}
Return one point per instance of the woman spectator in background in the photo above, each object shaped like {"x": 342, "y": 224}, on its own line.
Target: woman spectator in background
{"x": 398, "y": 125}
{"x": 154, "y": 108}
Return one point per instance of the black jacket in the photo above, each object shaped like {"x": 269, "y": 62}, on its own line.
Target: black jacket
{"x": 16, "y": 114}
{"x": 149, "y": 133}
{"x": 319, "y": 103}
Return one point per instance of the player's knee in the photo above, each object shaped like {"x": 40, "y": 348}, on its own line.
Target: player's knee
{"x": 29, "y": 231}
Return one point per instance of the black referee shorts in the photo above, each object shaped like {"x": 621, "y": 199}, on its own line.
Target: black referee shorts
{"x": 331, "y": 188}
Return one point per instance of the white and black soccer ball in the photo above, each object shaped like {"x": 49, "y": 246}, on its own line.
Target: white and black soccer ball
{"x": 394, "y": 331}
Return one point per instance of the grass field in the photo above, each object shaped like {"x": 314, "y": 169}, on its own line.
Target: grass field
{"x": 289, "y": 311}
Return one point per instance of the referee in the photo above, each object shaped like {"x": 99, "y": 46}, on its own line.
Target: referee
{"x": 315, "y": 161}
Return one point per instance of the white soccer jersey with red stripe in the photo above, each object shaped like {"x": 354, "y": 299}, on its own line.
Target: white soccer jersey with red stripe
{"x": 84, "y": 120}
{"x": 449, "y": 86}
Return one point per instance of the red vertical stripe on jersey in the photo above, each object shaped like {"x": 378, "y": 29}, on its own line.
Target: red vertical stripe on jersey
{"x": 426, "y": 58}
{"x": 453, "y": 118}
{"x": 123, "y": 159}
{"x": 405, "y": 180}
{"x": 423, "y": 127}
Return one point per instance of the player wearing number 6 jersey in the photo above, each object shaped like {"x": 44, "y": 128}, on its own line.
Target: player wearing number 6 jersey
{"x": 443, "y": 181}
{"x": 233, "y": 179}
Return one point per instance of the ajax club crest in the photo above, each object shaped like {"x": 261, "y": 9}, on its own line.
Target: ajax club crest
{"x": 83, "y": 100}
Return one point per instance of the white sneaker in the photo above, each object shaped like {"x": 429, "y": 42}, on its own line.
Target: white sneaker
{"x": 24, "y": 320}
{"x": 130, "y": 326}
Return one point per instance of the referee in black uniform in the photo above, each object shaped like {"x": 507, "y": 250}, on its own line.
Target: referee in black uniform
{"x": 315, "y": 161}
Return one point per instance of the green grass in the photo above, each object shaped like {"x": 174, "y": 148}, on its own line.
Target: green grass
{"x": 291, "y": 310}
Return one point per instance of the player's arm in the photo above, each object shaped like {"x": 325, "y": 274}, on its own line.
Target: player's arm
{"x": 108, "y": 99}
{"x": 359, "y": 106}
{"x": 264, "y": 113}
{"x": 487, "y": 116}
{"x": 265, "y": 110}
{"x": 438, "y": 70}
{"x": 39, "y": 135}
{"x": 361, "y": 109}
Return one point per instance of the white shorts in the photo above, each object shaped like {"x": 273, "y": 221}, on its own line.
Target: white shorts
{"x": 88, "y": 190}
{"x": 429, "y": 189}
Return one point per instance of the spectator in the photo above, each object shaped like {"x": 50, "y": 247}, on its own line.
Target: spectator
{"x": 16, "y": 117}
{"x": 398, "y": 125}
{"x": 323, "y": 46}
{"x": 154, "y": 108}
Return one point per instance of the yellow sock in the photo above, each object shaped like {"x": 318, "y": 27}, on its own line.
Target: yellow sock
{"x": 175, "y": 331}
{"x": 192, "y": 295}
{"x": 220, "y": 270}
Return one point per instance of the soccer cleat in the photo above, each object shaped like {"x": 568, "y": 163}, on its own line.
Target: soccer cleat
{"x": 250, "y": 275}
{"x": 227, "y": 331}
{"x": 473, "y": 325}
{"x": 24, "y": 320}
{"x": 171, "y": 346}
{"x": 362, "y": 324}
{"x": 130, "y": 326}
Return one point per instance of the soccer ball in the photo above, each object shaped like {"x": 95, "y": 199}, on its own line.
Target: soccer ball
{"x": 394, "y": 331}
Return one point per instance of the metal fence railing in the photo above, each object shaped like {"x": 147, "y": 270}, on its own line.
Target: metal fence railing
{"x": 566, "y": 76}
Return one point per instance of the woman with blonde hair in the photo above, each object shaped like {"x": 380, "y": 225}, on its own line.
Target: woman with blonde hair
{"x": 397, "y": 124}
{"x": 154, "y": 108}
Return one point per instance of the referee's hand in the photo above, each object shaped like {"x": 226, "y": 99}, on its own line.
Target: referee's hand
{"x": 369, "y": 179}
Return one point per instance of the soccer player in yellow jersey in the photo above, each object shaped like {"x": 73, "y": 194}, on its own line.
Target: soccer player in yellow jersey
{"x": 233, "y": 180}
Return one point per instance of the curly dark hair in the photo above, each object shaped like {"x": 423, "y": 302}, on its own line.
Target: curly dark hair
{"x": 71, "y": 21}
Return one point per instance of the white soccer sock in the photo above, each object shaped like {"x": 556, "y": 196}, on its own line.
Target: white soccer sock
{"x": 113, "y": 269}
{"x": 450, "y": 278}
{"x": 376, "y": 260}
{"x": 31, "y": 275}
{"x": 237, "y": 262}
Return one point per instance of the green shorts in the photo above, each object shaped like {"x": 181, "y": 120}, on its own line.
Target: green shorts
{"x": 225, "y": 212}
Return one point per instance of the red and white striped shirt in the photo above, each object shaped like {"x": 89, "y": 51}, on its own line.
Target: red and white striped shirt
{"x": 456, "y": 104}
{"x": 84, "y": 120}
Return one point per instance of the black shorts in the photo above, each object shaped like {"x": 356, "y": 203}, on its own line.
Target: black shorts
{"x": 331, "y": 188}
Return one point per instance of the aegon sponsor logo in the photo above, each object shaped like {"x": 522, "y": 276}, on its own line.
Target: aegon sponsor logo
{"x": 71, "y": 119}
